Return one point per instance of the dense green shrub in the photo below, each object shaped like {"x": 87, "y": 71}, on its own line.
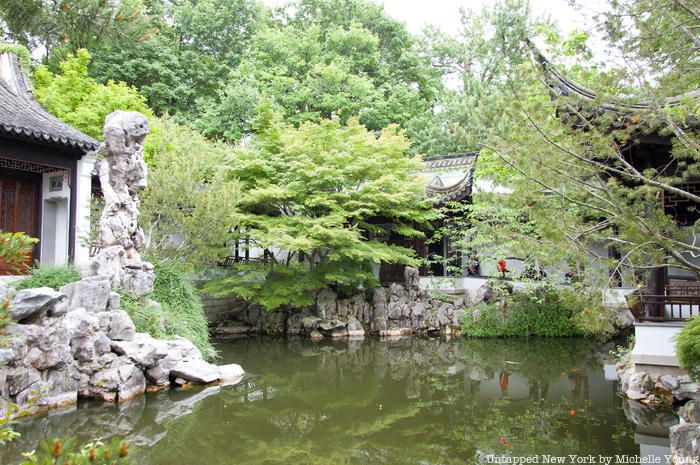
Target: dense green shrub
{"x": 688, "y": 347}
{"x": 66, "y": 452}
{"x": 50, "y": 276}
{"x": 543, "y": 311}
{"x": 180, "y": 312}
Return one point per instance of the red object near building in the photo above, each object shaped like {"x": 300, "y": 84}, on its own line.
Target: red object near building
{"x": 501, "y": 265}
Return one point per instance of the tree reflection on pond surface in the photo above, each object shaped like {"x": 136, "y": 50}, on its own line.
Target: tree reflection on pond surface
{"x": 422, "y": 401}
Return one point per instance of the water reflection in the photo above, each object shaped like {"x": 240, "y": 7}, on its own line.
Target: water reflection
{"x": 422, "y": 401}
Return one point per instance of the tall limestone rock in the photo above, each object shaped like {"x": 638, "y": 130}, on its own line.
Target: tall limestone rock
{"x": 123, "y": 173}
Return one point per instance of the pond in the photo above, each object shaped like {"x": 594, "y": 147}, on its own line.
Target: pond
{"x": 408, "y": 401}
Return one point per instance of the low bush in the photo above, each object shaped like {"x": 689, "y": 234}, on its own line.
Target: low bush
{"x": 543, "y": 311}
{"x": 50, "y": 276}
{"x": 180, "y": 312}
{"x": 15, "y": 248}
{"x": 688, "y": 347}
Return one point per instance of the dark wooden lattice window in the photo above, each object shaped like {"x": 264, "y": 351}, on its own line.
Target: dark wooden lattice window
{"x": 684, "y": 211}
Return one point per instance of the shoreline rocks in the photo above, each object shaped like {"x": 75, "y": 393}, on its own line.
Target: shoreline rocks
{"x": 685, "y": 437}
{"x": 398, "y": 310}
{"x": 77, "y": 343}
{"x": 656, "y": 388}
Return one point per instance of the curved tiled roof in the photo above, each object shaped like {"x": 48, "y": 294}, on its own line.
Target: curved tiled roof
{"x": 21, "y": 116}
{"x": 450, "y": 176}
{"x": 561, "y": 85}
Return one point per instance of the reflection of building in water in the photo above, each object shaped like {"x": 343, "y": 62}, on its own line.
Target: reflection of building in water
{"x": 651, "y": 430}
{"x": 651, "y": 426}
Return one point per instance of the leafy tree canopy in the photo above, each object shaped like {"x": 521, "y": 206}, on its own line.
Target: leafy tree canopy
{"x": 329, "y": 57}
{"x": 73, "y": 96}
{"x": 318, "y": 199}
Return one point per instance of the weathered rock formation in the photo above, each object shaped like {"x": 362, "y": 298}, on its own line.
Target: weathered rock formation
{"x": 685, "y": 437}
{"x": 656, "y": 388}
{"x": 122, "y": 174}
{"x": 400, "y": 309}
{"x": 77, "y": 343}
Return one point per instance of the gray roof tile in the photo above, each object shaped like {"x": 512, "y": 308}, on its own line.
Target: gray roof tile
{"x": 23, "y": 117}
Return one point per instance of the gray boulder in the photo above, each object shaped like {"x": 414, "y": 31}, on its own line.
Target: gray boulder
{"x": 355, "y": 329}
{"x": 685, "y": 443}
{"x": 411, "y": 277}
{"x": 687, "y": 390}
{"x": 114, "y": 301}
{"x": 670, "y": 382}
{"x": 231, "y": 374}
{"x": 36, "y": 302}
{"x": 7, "y": 356}
{"x": 485, "y": 293}
{"x": 144, "y": 350}
{"x": 90, "y": 293}
{"x": 120, "y": 327}
{"x": 117, "y": 383}
{"x": 690, "y": 412}
{"x": 80, "y": 323}
{"x": 327, "y": 304}
{"x": 139, "y": 281}
{"x": 20, "y": 379}
{"x": 197, "y": 371}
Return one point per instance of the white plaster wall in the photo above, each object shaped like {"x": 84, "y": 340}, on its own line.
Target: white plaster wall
{"x": 655, "y": 343}
{"x": 82, "y": 213}
{"x": 55, "y": 220}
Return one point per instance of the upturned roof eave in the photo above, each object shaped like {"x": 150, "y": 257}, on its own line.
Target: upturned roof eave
{"x": 22, "y": 117}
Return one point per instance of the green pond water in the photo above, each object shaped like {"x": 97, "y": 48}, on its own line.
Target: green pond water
{"x": 408, "y": 401}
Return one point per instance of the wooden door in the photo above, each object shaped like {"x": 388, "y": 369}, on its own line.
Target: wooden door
{"x": 18, "y": 201}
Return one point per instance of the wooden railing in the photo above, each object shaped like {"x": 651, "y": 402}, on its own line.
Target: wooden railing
{"x": 667, "y": 307}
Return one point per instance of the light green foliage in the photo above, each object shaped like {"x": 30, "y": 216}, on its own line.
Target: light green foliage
{"x": 50, "y": 276}
{"x": 180, "y": 312}
{"x": 688, "y": 347}
{"x": 488, "y": 42}
{"x": 329, "y": 57}
{"x": 661, "y": 41}
{"x": 543, "y": 311}
{"x": 67, "y": 452}
{"x": 20, "y": 51}
{"x": 326, "y": 193}
{"x": 73, "y": 96}
{"x": 15, "y": 247}
{"x": 188, "y": 194}
{"x": 622, "y": 352}
{"x": 8, "y": 414}
{"x": 58, "y": 28}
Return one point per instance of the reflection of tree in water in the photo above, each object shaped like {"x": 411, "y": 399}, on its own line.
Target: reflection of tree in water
{"x": 386, "y": 402}
{"x": 408, "y": 401}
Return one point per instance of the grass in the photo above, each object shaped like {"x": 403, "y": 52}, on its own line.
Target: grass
{"x": 180, "y": 312}
{"x": 50, "y": 276}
